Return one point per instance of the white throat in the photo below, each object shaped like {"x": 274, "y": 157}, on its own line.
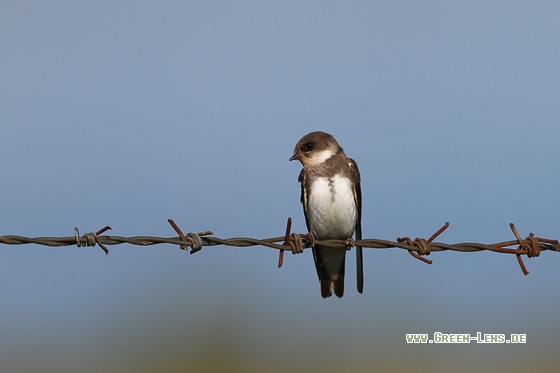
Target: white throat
{"x": 320, "y": 157}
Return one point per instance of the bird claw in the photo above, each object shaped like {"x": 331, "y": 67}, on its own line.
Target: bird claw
{"x": 350, "y": 243}
{"x": 310, "y": 237}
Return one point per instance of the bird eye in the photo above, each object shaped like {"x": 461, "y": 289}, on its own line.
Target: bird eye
{"x": 308, "y": 146}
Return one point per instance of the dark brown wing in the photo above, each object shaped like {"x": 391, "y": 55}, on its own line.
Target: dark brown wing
{"x": 303, "y": 198}
{"x": 359, "y": 253}
{"x": 358, "y": 230}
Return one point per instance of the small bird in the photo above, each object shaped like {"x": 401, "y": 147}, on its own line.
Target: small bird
{"x": 332, "y": 204}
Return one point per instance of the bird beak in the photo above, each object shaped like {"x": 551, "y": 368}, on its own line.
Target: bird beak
{"x": 295, "y": 157}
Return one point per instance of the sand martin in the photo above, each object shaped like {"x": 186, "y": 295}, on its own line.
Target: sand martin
{"x": 332, "y": 204}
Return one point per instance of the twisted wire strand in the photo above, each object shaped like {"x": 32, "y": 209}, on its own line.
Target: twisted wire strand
{"x": 530, "y": 246}
{"x": 273, "y": 242}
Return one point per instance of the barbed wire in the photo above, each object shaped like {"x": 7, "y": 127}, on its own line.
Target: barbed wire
{"x": 531, "y": 246}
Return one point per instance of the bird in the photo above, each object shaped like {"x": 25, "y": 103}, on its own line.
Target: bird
{"x": 332, "y": 204}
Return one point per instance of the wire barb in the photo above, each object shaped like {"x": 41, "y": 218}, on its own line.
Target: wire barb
{"x": 291, "y": 240}
{"x": 296, "y": 242}
{"x": 532, "y": 249}
{"x": 285, "y": 243}
{"x": 193, "y": 240}
{"x": 91, "y": 239}
{"x": 422, "y": 245}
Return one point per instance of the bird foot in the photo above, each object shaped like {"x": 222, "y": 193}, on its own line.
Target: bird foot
{"x": 310, "y": 237}
{"x": 350, "y": 243}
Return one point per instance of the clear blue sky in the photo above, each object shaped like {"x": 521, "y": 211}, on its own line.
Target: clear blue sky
{"x": 130, "y": 113}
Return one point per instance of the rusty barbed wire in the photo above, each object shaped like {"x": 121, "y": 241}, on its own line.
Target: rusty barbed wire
{"x": 531, "y": 246}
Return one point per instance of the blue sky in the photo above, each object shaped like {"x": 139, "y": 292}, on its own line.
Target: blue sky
{"x": 130, "y": 113}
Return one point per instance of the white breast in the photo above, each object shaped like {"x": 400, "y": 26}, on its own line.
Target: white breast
{"x": 331, "y": 208}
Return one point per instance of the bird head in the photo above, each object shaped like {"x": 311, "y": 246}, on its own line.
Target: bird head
{"x": 315, "y": 148}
